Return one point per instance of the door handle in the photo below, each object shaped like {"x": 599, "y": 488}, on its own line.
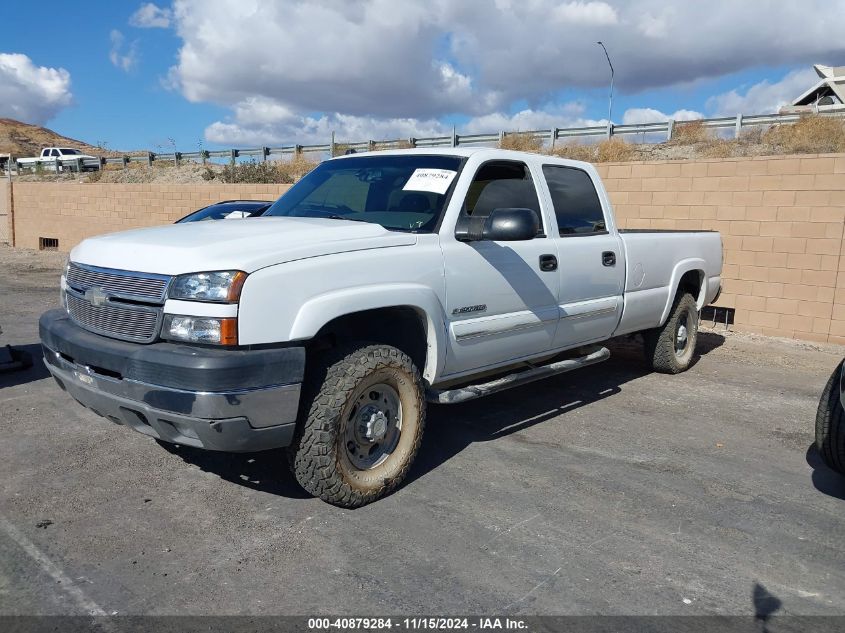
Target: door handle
{"x": 608, "y": 258}
{"x": 548, "y": 263}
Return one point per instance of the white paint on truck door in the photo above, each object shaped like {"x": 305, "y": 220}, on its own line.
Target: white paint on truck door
{"x": 592, "y": 260}
{"x": 500, "y": 306}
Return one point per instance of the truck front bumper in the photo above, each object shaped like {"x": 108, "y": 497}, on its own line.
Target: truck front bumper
{"x": 216, "y": 399}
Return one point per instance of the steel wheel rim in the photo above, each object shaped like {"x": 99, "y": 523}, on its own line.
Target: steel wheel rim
{"x": 373, "y": 426}
{"x": 682, "y": 335}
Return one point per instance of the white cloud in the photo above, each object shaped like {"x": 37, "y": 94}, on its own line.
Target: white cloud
{"x": 30, "y": 93}
{"x": 261, "y": 121}
{"x": 124, "y": 58}
{"x": 763, "y": 97}
{"x": 151, "y": 16}
{"x": 655, "y": 26}
{"x": 633, "y": 116}
{"x": 364, "y": 59}
{"x": 585, "y": 13}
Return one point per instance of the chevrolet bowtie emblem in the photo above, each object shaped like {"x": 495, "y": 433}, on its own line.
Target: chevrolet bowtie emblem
{"x": 96, "y": 296}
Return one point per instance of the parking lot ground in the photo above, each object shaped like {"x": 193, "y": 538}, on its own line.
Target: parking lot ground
{"x": 610, "y": 490}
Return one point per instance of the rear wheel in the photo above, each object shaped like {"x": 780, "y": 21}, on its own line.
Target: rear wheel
{"x": 670, "y": 348}
{"x": 364, "y": 420}
{"x": 830, "y": 424}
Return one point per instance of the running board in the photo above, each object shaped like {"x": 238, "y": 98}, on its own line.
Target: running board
{"x": 516, "y": 379}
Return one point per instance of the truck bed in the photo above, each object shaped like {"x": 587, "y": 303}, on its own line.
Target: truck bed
{"x": 655, "y": 261}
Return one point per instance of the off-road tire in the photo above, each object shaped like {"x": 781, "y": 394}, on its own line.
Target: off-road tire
{"x": 660, "y": 342}
{"x": 830, "y": 424}
{"x": 317, "y": 455}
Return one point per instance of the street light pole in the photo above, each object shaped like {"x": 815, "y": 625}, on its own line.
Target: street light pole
{"x": 610, "y": 99}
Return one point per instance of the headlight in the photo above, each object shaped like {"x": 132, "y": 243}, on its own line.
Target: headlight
{"x": 223, "y": 286}
{"x": 196, "y": 329}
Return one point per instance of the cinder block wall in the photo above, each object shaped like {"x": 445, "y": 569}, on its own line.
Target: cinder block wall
{"x": 781, "y": 220}
{"x": 5, "y": 219}
{"x": 74, "y": 211}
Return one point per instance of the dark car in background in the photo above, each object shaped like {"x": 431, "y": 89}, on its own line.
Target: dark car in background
{"x": 228, "y": 210}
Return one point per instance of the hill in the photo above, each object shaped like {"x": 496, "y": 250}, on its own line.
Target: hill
{"x": 22, "y": 140}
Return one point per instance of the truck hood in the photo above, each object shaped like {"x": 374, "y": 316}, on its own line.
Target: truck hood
{"x": 244, "y": 244}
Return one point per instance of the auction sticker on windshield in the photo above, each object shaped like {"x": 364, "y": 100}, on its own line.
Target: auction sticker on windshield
{"x": 433, "y": 180}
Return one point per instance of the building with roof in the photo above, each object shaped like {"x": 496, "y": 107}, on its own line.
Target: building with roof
{"x": 828, "y": 94}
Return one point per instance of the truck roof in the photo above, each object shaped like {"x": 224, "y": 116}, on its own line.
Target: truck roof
{"x": 466, "y": 152}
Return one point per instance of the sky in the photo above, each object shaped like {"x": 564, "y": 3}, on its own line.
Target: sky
{"x": 209, "y": 74}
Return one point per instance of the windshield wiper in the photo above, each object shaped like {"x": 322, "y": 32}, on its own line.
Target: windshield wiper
{"x": 335, "y": 216}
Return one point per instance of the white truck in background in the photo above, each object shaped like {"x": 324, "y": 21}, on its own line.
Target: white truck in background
{"x": 378, "y": 282}
{"x": 62, "y": 159}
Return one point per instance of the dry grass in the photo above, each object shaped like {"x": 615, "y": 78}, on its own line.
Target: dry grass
{"x": 521, "y": 142}
{"x": 752, "y": 136}
{"x": 614, "y": 150}
{"x": 810, "y": 135}
{"x": 720, "y": 148}
{"x": 575, "y": 151}
{"x": 290, "y": 171}
{"x": 186, "y": 172}
{"x": 340, "y": 149}
{"x": 690, "y": 133}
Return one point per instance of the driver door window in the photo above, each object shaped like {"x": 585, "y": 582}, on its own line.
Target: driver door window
{"x": 499, "y": 185}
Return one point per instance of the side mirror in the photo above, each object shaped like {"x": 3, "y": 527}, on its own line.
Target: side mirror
{"x": 511, "y": 225}
{"x": 502, "y": 225}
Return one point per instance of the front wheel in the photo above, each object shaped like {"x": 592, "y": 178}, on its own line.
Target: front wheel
{"x": 670, "y": 348}
{"x": 363, "y": 423}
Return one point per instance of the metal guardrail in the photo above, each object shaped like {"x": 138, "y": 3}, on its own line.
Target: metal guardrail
{"x": 550, "y": 136}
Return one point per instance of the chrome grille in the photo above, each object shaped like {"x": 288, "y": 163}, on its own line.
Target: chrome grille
{"x": 131, "y": 285}
{"x": 131, "y": 323}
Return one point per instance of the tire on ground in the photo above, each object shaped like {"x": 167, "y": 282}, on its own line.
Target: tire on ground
{"x": 334, "y": 386}
{"x": 660, "y": 343}
{"x": 830, "y": 424}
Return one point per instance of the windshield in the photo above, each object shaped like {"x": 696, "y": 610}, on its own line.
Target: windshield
{"x": 401, "y": 193}
{"x": 226, "y": 211}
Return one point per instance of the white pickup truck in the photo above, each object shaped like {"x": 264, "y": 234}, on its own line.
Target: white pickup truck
{"x": 378, "y": 282}
{"x": 61, "y": 158}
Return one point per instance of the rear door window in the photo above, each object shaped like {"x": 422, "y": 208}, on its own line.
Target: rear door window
{"x": 575, "y": 200}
